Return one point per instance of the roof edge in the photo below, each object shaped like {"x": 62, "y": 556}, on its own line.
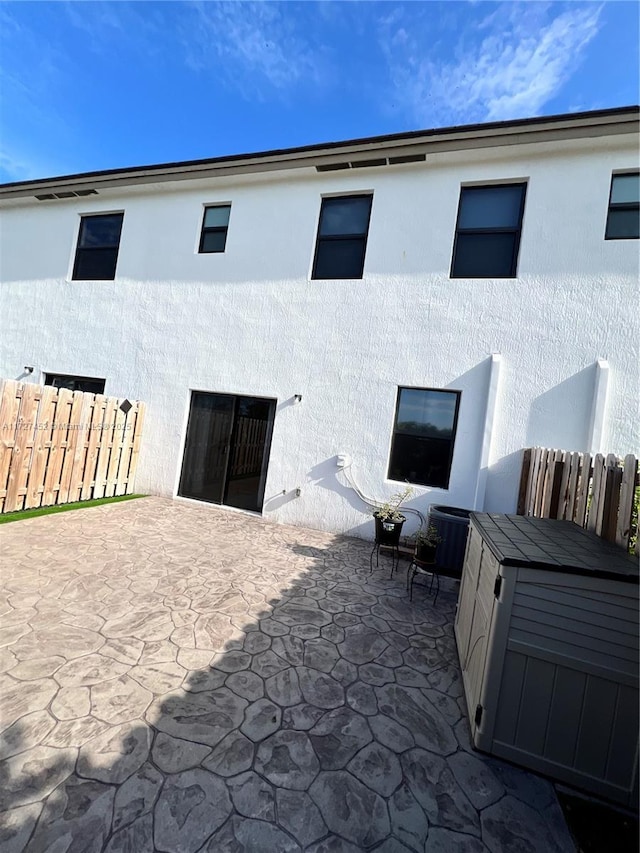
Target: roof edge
{"x": 290, "y": 157}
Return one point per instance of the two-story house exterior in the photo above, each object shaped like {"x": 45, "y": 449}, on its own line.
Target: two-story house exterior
{"x": 425, "y": 304}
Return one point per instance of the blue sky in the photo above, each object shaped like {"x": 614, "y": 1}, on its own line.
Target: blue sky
{"x": 92, "y": 85}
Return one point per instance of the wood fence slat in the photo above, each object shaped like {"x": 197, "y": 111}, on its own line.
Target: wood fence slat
{"x": 42, "y": 445}
{"x": 116, "y": 450}
{"x": 543, "y": 480}
{"x": 125, "y": 455}
{"x": 72, "y": 442}
{"x": 9, "y": 407}
{"x": 21, "y": 454}
{"x": 625, "y": 510}
{"x": 594, "y": 510}
{"x": 95, "y": 433}
{"x": 58, "y": 447}
{"x": 611, "y": 501}
{"x": 80, "y": 449}
{"x": 99, "y": 489}
{"x": 524, "y": 481}
{"x": 140, "y": 413}
{"x": 550, "y": 474}
{"x": 558, "y": 474}
{"x": 584, "y": 489}
{"x": 572, "y": 487}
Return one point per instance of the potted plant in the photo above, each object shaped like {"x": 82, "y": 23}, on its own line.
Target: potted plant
{"x": 389, "y": 520}
{"x": 427, "y": 542}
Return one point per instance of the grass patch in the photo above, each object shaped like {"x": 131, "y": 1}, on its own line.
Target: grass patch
{"x": 6, "y": 518}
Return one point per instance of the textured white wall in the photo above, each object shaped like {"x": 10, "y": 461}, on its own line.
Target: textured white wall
{"x": 250, "y": 321}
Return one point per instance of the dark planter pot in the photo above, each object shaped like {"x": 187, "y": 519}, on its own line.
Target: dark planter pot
{"x": 388, "y": 532}
{"x": 426, "y": 553}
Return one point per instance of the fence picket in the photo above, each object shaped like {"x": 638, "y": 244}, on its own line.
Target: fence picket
{"x": 54, "y": 447}
{"x": 627, "y": 489}
{"x": 564, "y": 485}
{"x": 584, "y": 489}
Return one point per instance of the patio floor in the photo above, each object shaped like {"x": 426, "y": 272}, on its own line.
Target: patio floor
{"x": 182, "y": 678}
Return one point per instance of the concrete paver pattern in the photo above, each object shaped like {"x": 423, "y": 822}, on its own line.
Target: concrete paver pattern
{"x": 182, "y": 678}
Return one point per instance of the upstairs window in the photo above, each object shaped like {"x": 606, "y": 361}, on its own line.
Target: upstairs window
{"x": 75, "y": 383}
{"x": 98, "y": 244}
{"x": 488, "y": 231}
{"x": 214, "y": 228}
{"x": 423, "y": 436}
{"x": 623, "y": 219}
{"x": 342, "y": 237}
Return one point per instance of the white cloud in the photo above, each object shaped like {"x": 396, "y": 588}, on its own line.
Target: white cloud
{"x": 254, "y": 47}
{"x": 521, "y": 61}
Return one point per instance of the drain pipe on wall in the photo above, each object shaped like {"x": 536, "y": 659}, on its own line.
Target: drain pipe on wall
{"x": 344, "y": 463}
{"x": 493, "y": 387}
{"x": 598, "y": 406}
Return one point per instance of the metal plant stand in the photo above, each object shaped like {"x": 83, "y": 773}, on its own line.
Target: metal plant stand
{"x": 420, "y": 567}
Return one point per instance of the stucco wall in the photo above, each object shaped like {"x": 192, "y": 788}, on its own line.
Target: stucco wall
{"x": 250, "y": 321}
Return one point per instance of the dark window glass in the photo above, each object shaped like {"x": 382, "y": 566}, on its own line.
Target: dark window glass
{"x": 339, "y": 259}
{"x": 214, "y": 228}
{"x": 488, "y": 231}
{"x": 424, "y": 436}
{"x": 97, "y": 250}
{"x": 342, "y": 237}
{"x": 484, "y": 255}
{"x": 75, "y": 383}
{"x": 623, "y": 219}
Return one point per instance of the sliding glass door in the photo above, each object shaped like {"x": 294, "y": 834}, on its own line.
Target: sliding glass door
{"x": 226, "y": 450}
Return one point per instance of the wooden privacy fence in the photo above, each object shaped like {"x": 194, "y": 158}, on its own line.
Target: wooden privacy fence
{"x": 59, "y": 446}
{"x": 594, "y": 492}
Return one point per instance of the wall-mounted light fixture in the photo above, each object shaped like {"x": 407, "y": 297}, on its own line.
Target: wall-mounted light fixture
{"x": 28, "y": 369}
{"x": 297, "y": 398}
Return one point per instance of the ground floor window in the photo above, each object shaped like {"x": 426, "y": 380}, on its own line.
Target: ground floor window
{"x": 75, "y": 383}
{"x": 423, "y": 436}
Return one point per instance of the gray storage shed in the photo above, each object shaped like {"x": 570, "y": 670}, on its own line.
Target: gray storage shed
{"x": 547, "y": 634}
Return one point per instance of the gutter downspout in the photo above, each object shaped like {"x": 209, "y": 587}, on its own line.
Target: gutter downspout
{"x": 489, "y": 426}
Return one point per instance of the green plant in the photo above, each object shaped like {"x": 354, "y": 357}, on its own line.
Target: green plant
{"x": 428, "y": 536}
{"x": 390, "y": 510}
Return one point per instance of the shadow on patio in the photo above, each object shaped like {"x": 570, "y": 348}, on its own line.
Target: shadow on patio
{"x": 180, "y": 678}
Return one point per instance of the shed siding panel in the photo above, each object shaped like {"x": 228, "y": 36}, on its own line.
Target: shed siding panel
{"x": 599, "y": 709}
{"x": 536, "y": 696}
{"x": 572, "y": 597}
{"x": 564, "y": 716}
{"x": 625, "y": 619}
{"x": 510, "y": 697}
{"x": 625, "y": 731}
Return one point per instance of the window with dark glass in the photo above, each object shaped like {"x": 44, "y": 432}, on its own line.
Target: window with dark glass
{"x": 75, "y": 383}
{"x": 98, "y": 244}
{"x": 488, "y": 231}
{"x": 423, "y": 436}
{"x": 342, "y": 237}
{"x": 214, "y": 228}
{"x": 623, "y": 219}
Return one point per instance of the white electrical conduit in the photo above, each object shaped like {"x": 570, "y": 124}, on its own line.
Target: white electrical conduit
{"x": 344, "y": 463}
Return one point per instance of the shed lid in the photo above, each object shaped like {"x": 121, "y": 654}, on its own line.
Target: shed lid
{"x": 552, "y": 545}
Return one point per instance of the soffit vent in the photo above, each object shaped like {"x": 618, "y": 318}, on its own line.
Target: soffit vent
{"x": 69, "y": 194}
{"x": 332, "y": 167}
{"x": 407, "y": 158}
{"x": 367, "y": 164}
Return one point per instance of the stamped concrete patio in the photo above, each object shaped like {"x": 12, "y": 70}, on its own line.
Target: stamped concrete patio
{"x": 182, "y": 678}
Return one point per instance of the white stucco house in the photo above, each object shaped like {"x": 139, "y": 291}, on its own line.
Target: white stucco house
{"x": 409, "y": 308}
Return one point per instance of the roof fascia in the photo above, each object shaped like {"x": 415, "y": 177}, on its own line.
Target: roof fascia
{"x": 589, "y": 125}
